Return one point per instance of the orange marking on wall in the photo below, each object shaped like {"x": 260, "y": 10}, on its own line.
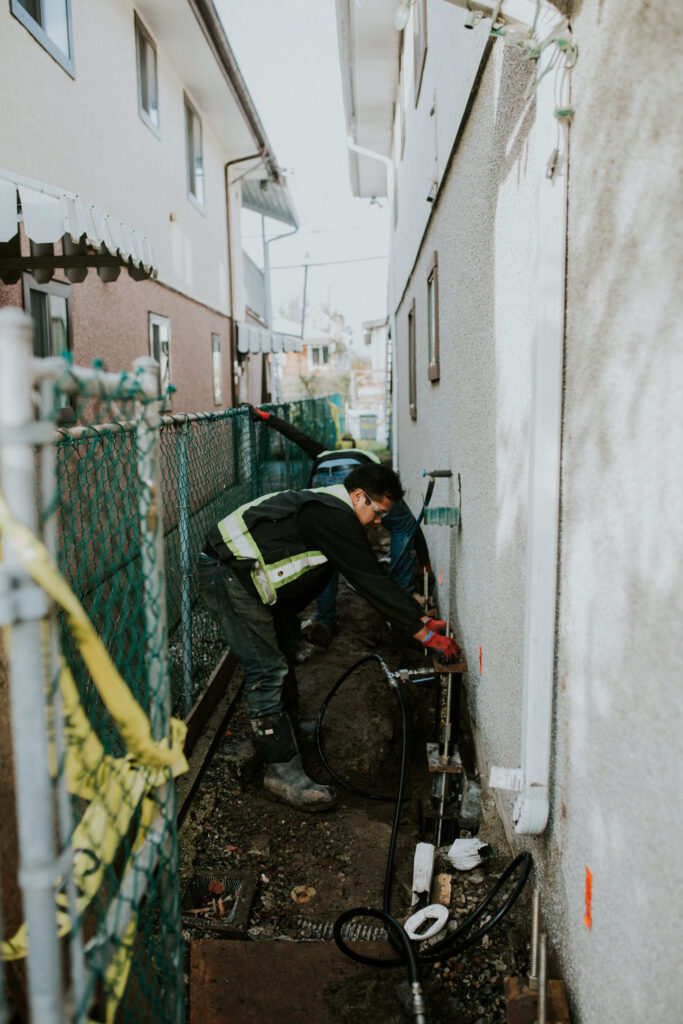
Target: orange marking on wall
{"x": 480, "y": 661}
{"x": 587, "y": 919}
{"x": 440, "y": 576}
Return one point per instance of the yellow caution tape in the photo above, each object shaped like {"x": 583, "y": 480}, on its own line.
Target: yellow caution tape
{"x": 115, "y": 788}
{"x": 130, "y": 719}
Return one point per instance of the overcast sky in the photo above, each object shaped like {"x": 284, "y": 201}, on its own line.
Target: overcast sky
{"x": 288, "y": 54}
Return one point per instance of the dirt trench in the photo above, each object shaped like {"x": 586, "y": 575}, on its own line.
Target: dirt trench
{"x": 301, "y": 871}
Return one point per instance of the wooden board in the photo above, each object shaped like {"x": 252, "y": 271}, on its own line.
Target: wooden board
{"x": 521, "y": 1004}
{"x": 234, "y": 982}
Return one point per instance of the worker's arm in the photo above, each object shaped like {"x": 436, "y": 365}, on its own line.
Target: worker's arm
{"x": 342, "y": 539}
{"x": 308, "y": 444}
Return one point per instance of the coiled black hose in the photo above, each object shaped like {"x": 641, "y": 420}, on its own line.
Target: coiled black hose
{"x": 459, "y": 939}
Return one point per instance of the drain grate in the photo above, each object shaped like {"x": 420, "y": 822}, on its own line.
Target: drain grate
{"x": 219, "y": 903}
{"x": 325, "y": 929}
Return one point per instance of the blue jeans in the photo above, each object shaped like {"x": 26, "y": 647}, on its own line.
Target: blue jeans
{"x": 249, "y": 628}
{"x": 399, "y": 522}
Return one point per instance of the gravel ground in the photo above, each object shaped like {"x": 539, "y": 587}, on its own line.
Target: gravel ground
{"x": 307, "y": 869}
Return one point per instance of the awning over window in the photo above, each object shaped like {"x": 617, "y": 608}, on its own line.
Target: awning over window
{"x": 270, "y": 200}
{"x": 252, "y": 338}
{"x": 90, "y": 237}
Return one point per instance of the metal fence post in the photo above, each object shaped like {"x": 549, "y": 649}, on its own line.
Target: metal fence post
{"x": 154, "y": 582}
{"x": 25, "y": 605}
{"x": 185, "y": 562}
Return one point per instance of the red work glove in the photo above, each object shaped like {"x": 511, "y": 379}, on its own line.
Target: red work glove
{"x": 438, "y": 625}
{"x": 258, "y": 414}
{"x": 445, "y": 646}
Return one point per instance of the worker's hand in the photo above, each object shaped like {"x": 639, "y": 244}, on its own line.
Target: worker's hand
{"x": 445, "y": 646}
{"x": 257, "y": 414}
{"x": 438, "y": 625}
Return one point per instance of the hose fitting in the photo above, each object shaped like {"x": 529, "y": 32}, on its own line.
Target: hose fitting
{"x": 417, "y": 1003}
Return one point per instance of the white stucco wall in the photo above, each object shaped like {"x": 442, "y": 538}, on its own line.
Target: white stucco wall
{"x": 616, "y": 770}
{"x": 85, "y": 135}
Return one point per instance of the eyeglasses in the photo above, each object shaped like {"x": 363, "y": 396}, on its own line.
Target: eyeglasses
{"x": 380, "y": 512}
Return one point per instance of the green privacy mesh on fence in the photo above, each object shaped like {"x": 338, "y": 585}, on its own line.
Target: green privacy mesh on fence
{"x": 211, "y": 464}
{"x": 126, "y": 502}
{"x": 114, "y": 792}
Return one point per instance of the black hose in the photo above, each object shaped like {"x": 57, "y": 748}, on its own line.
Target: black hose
{"x": 344, "y": 783}
{"x": 459, "y": 939}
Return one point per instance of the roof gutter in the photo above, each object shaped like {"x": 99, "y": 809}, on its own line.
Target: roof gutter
{"x": 212, "y": 26}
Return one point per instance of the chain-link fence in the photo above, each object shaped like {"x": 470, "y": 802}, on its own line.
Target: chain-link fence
{"x": 94, "y": 585}
{"x": 211, "y": 463}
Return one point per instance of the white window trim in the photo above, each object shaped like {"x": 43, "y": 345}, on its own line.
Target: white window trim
{"x": 156, "y": 319}
{"x": 65, "y": 60}
{"x": 142, "y": 33}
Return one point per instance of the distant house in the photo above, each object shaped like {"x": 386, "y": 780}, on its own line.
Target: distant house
{"x": 323, "y": 364}
{"x": 368, "y": 411}
{"x": 129, "y": 143}
{"x": 535, "y": 311}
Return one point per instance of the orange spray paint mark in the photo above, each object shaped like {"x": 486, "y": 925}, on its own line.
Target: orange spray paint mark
{"x": 480, "y": 661}
{"x": 588, "y": 920}
{"x": 440, "y": 576}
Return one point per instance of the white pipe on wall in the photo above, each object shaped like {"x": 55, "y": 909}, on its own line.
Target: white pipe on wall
{"x": 532, "y": 806}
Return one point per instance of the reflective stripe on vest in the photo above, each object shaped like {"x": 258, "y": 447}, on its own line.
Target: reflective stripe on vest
{"x": 268, "y": 578}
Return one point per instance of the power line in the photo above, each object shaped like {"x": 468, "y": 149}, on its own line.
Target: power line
{"x": 329, "y": 263}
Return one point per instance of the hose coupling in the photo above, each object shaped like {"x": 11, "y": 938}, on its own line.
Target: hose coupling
{"x": 418, "y": 1005}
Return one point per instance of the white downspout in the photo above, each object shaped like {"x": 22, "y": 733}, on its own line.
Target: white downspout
{"x": 532, "y": 780}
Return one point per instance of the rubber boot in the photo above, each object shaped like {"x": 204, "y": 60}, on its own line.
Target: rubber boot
{"x": 304, "y": 728}
{"x": 285, "y": 779}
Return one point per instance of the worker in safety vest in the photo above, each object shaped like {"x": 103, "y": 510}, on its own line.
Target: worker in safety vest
{"x": 267, "y": 560}
{"x": 332, "y": 466}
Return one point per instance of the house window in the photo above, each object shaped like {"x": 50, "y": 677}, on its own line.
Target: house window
{"x": 217, "y": 365}
{"x": 159, "y": 349}
{"x": 419, "y": 43}
{"x": 49, "y": 306}
{"x": 412, "y": 389}
{"x": 320, "y": 354}
{"x": 433, "y": 369}
{"x": 195, "y": 161}
{"x": 148, "y": 88}
{"x": 49, "y": 22}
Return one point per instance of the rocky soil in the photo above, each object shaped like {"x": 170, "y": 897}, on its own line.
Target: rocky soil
{"x": 308, "y": 869}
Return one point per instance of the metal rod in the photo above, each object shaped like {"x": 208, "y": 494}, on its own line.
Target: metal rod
{"x": 152, "y": 549}
{"x": 50, "y": 498}
{"x": 535, "y": 917}
{"x": 185, "y": 563}
{"x": 542, "y": 980}
{"x": 37, "y": 868}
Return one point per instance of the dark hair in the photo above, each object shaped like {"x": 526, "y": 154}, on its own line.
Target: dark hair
{"x": 379, "y": 481}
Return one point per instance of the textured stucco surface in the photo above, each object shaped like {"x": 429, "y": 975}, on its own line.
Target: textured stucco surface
{"x": 616, "y": 770}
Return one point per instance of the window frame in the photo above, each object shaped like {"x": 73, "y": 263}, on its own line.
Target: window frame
{"x": 217, "y": 368}
{"x": 142, "y": 34}
{"x": 419, "y": 44}
{"x": 433, "y": 355}
{"x": 66, "y": 61}
{"x": 192, "y": 112}
{"x": 159, "y": 320}
{"x": 58, "y": 288}
{"x": 412, "y": 363}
